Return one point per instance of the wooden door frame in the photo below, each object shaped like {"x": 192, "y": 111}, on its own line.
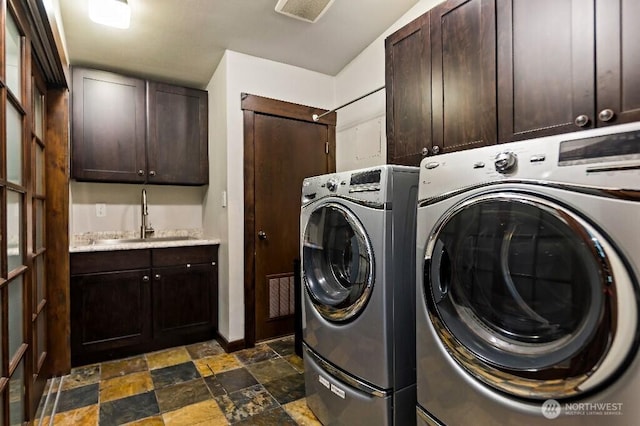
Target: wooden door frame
{"x": 252, "y": 105}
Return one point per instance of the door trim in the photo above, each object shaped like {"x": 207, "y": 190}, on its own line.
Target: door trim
{"x": 252, "y": 105}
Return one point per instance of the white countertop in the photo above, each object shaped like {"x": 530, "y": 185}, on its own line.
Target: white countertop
{"x": 149, "y": 243}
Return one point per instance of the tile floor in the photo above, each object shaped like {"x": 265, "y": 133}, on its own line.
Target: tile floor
{"x": 192, "y": 385}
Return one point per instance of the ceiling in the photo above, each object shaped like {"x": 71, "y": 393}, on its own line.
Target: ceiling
{"x": 182, "y": 41}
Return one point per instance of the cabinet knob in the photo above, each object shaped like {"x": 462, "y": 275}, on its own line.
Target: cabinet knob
{"x": 145, "y": 278}
{"x": 606, "y": 114}
{"x": 213, "y": 263}
{"x": 435, "y": 149}
{"x": 140, "y": 172}
{"x": 188, "y": 265}
{"x": 581, "y": 120}
{"x": 262, "y": 235}
{"x": 425, "y": 151}
{"x": 157, "y": 276}
{"x": 152, "y": 172}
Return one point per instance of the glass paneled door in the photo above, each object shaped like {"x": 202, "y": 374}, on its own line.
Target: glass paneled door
{"x": 15, "y": 198}
{"x": 23, "y": 301}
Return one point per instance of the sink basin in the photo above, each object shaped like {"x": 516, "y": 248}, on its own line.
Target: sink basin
{"x": 113, "y": 241}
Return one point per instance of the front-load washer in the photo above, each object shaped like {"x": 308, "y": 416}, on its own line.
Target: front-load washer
{"x": 358, "y": 271}
{"x": 527, "y": 286}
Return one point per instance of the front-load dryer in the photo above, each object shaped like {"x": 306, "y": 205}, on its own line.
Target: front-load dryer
{"x": 527, "y": 286}
{"x": 358, "y": 261}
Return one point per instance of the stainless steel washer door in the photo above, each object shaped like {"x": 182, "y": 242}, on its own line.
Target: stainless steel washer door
{"x": 337, "y": 262}
{"x": 528, "y": 297}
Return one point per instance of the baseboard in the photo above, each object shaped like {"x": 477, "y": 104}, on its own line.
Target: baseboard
{"x": 233, "y": 346}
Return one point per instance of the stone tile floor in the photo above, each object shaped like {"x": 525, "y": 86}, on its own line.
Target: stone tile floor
{"x": 192, "y": 385}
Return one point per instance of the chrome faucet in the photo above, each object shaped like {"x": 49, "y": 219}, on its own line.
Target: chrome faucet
{"x": 145, "y": 229}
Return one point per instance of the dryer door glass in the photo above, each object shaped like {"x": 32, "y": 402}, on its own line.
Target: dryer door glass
{"x": 337, "y": 262}
{"x": 525, "y": 287}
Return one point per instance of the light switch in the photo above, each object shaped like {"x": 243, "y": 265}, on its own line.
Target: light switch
{"x": 101, "y": 210}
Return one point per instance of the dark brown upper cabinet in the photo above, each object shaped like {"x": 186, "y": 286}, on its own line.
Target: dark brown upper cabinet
{"x": 177, "y": 138}
{"x": 617, "y": 61}
{"x": 130, "y": 130}
{"x": 463, "y": 80}
{"x": 108, "y": 131}
{"x": 560, "y": 66}
{"x": 408, "y": 88}
{"x": 441, "y": 82}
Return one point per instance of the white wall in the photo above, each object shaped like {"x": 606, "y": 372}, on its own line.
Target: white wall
{"x": 361, "y": 131}
{"x": 238, "y": 73}
{"x": 216, "y": 217}
{"x": 170, "y": 207}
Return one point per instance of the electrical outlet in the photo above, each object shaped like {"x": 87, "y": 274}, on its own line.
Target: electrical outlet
{"x": 101, "y": 210}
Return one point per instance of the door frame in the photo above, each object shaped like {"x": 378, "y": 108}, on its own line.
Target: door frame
{"x": 252, "y": 105}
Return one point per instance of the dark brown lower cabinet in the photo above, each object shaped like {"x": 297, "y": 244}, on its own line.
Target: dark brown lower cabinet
{"x": 184, "y": 300}
{"x": 134, "y": 301}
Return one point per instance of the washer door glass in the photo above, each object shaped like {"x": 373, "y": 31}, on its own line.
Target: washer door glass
{"x": 337, "y": 262}
{"x": 520, "y": 288}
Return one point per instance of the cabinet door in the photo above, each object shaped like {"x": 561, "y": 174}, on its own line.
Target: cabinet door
{"x": 463, "y": 55}
{"x": 408, "y": 87}
{"x": 617, "y": 61}
{"x": 177, "y": 145}
{"x": 109, "y": 311}
{"x": 545, "y": 67}
{"x": 108, "y": 127}
{"x": 185, "y": 300}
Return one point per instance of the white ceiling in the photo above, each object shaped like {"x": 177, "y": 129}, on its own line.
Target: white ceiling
{"x": 182, "y": 41}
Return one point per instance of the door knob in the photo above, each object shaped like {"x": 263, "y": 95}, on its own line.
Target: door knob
{"x": 581, "y": 120}
{"x": 262, "y": 235}
{"x": 606, "y": 114}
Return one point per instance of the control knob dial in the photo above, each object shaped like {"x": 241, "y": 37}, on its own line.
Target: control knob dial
{"x": 332, "y": 185}
{"x": 505, "y": 161}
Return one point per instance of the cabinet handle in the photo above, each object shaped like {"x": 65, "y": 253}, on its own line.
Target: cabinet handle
{"x": 152, "y": 173}
{"x": 425, "y": 151}
{"x": 157, "y": 276}
{"x": 581, "y": 120}
{"x": 140, "y": 172}
{"x": 606, "y": 114}
{"x": 435, "y": 149}
{"x": 145, "y": 278}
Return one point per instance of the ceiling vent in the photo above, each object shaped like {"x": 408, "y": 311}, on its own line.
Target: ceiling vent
{"x": 306, "y": 10}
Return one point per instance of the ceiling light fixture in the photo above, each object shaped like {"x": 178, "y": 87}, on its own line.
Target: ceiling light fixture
{"x": 114, "y": 13}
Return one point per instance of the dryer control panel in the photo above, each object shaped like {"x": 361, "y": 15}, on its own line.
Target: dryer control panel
{"x": 607, "y": 158}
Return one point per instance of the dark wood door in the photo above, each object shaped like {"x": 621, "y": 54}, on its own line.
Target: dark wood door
{"x": 108, "y": 132}
{"x": 178, "y": 131}
{"x": 185, "y": 300}
{"x": 109, "y": 311}
{"x": 463, "y": 54}
{"x": 617, "y": 61}
{"x": 408, "y": 87}
{"x": 545, "y": 67}
{"x": 282, "y": 146}
{"x": 287, "y": 151}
